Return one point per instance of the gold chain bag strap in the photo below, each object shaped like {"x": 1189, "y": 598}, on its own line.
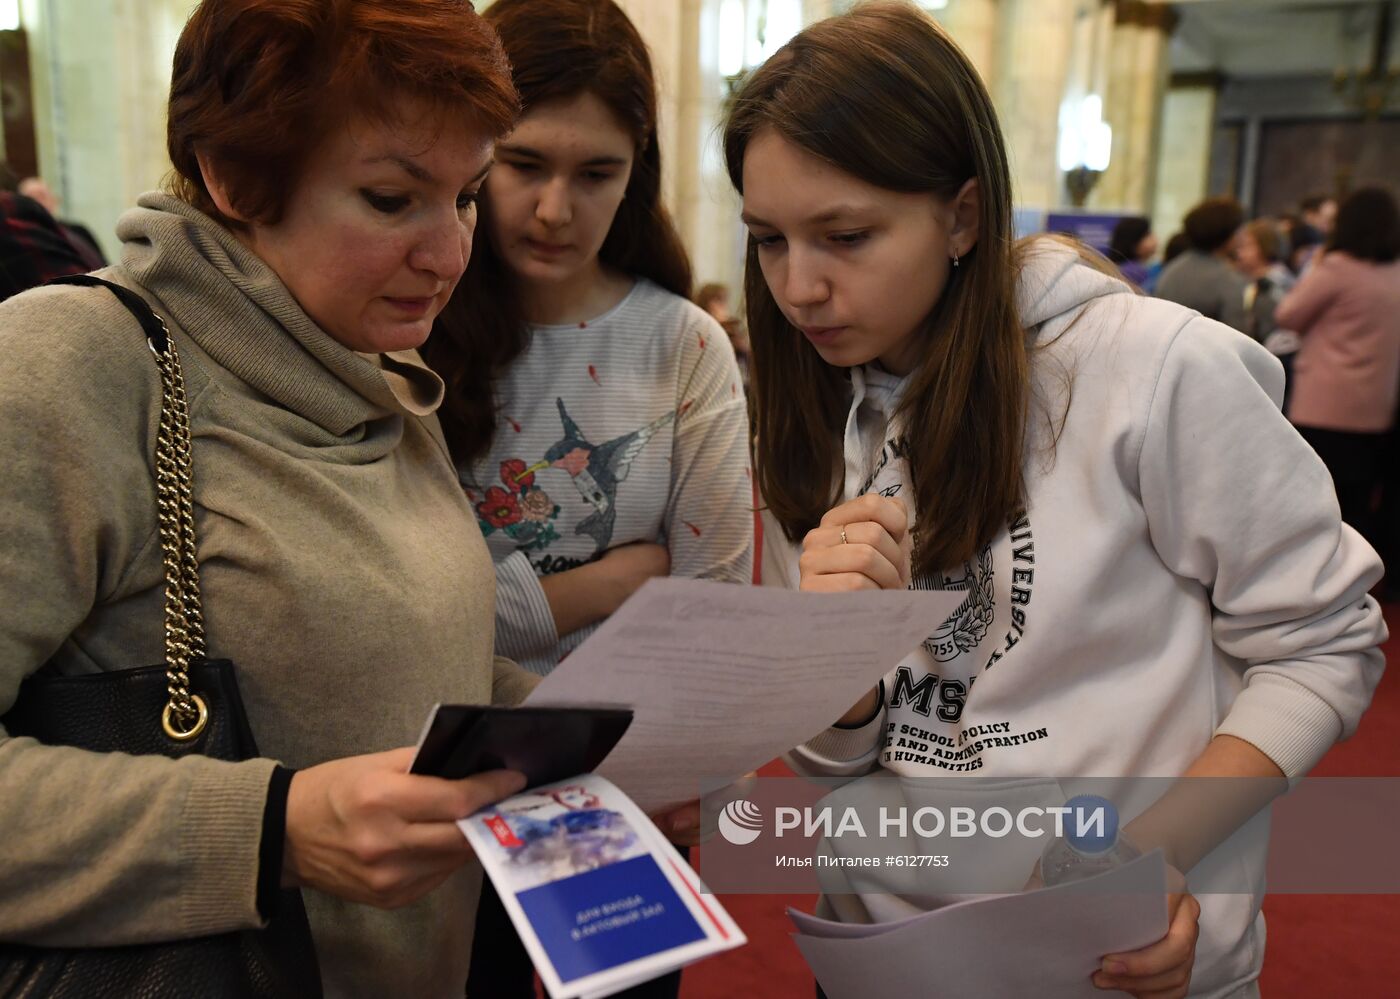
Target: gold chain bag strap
{"x": 186, "y": 715}
{"x": 187, "y": 705}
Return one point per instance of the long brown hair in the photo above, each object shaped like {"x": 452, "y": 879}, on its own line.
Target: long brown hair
{"x": 885, "y": 95}
{"x": 558, "y": 49}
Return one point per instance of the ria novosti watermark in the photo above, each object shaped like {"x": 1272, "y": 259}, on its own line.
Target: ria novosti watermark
{"x": 969, "y": 835}
{"x": 741, "y": 822}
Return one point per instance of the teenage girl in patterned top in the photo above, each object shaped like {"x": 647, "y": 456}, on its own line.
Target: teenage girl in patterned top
{"x": 596, "y": 415}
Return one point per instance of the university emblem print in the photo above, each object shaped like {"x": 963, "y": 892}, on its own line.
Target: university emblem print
{"x": 968, "y": 625}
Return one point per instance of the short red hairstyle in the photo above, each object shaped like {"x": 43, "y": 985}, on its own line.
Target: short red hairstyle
{"x": 258, "y": 84}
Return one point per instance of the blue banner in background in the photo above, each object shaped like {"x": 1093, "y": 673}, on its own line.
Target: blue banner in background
{"x": 1028, "y": 221}
{"x": 1094, "y": 228}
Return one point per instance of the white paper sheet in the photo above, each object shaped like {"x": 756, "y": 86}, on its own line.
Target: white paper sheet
{"x": 723, "y": 678}
{"x": 1043, "y": 943}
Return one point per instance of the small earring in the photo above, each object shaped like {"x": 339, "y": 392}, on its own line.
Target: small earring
{"x": 955, "y": 258}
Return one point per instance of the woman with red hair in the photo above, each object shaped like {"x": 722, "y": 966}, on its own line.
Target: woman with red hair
{"x": 328, "y": 156}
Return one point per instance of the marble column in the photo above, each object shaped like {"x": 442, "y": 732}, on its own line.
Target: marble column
{"x": 1138, "y": 68}
{"x": 973, "y": 25}
{"x": 1183, "y": 162}
{"x": 661, "y": 27}
{"x": 1032, "y": 64}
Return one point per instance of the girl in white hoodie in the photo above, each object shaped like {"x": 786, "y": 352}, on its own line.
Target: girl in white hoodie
{"x": 1159, "y": 584}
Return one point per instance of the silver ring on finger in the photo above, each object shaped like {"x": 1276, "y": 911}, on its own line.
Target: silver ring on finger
{"x": 844, "y": 539}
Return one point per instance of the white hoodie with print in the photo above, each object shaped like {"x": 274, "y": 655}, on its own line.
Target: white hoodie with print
{"x": 1179, "y": 572}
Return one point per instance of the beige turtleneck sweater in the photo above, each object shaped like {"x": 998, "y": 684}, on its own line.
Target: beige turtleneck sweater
{"x": 343, "y": 573}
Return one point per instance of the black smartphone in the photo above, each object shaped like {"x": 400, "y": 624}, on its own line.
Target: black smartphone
{"x": 545, "y": 744}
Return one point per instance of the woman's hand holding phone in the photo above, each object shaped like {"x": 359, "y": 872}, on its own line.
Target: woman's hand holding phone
{"x": 363, "y": 829}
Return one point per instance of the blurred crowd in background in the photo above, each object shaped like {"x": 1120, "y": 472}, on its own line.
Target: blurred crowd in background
{"x": 1320, "y": 289}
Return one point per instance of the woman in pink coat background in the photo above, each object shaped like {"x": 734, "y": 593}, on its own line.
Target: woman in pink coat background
{"x": 1347, "y": 373}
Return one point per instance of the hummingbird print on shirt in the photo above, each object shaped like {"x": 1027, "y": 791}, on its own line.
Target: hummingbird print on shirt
{"x": 596, "y": 469}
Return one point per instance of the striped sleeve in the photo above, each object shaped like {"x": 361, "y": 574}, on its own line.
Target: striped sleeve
{"x": 525, "y": 628}
{"x": 709, "y": 515}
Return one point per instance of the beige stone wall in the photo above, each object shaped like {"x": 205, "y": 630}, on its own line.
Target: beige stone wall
{"x": 973, "y": 25}
{"x": 1035, "y": 42}
{"x": 100, "y": 73}
{"x": 1136, "y": 88}
{"x": 1183, "y": 166}
{"x": 660, "y": 23}
{"x": 1143, "y": 73}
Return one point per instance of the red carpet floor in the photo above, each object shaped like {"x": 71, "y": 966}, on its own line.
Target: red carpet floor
{"x": 1319, "y": 946}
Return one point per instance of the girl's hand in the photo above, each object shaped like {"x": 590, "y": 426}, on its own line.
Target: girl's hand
{"x": 362, "y": 829}
{"x": 1161, "y": 970}
{"x": 863, "y": 544}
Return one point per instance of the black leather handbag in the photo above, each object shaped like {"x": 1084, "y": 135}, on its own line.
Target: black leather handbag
{"x": 190, "y": 704}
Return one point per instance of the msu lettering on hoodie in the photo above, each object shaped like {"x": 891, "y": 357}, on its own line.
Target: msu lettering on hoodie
{"x": 1179, "y": 571}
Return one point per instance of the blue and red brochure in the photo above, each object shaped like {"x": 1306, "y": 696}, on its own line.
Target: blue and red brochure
{"x": 600, "y": 898}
